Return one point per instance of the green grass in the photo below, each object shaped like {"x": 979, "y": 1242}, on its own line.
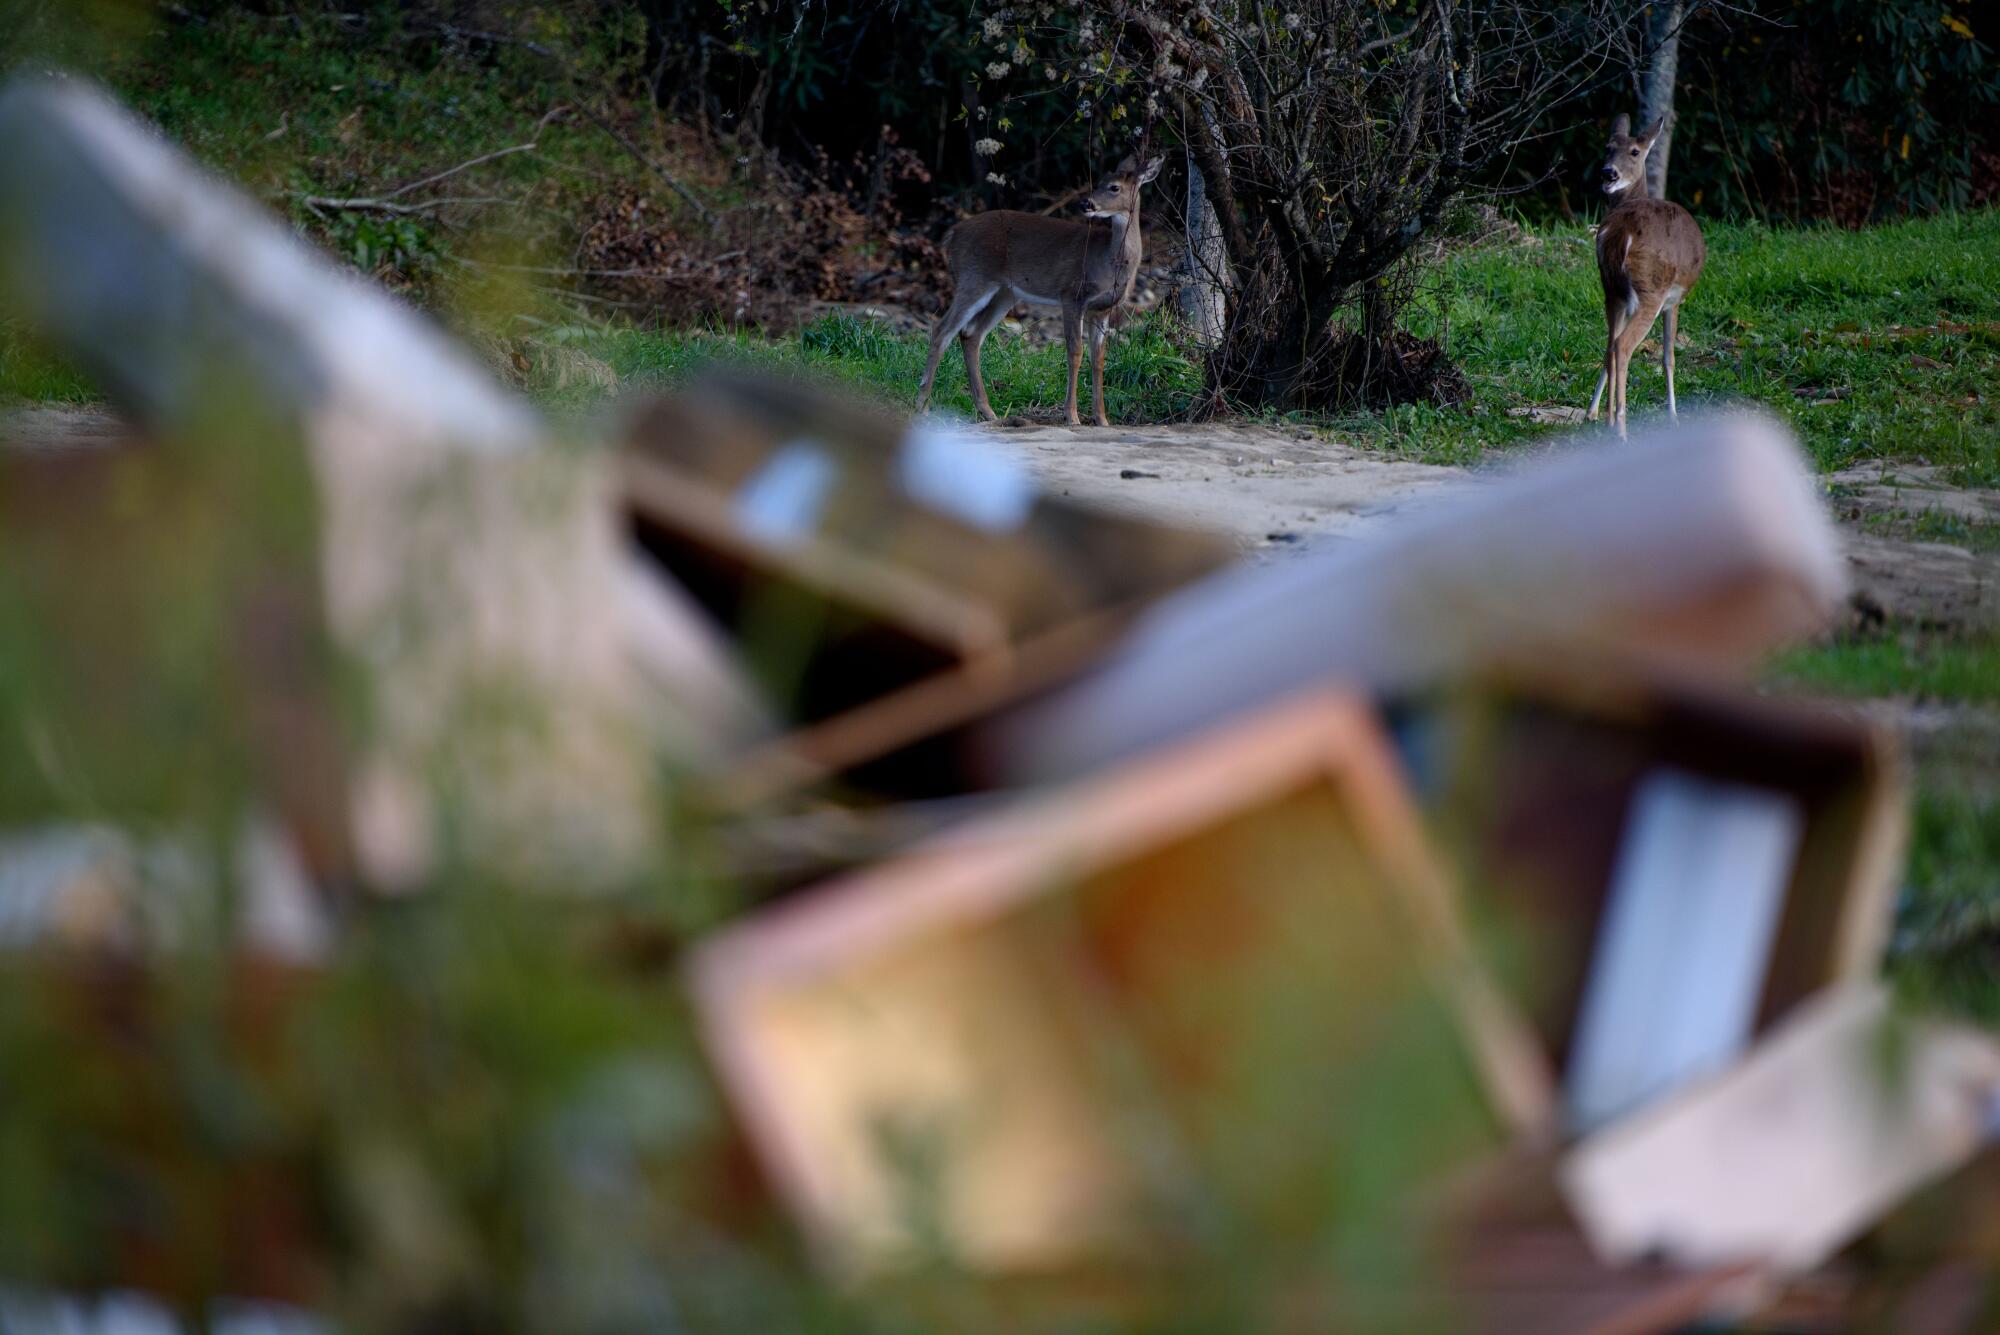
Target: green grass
{"x": 318, "y": 103}
{"x": 1936, "y": 526}
{"x": 1145, "y": 375}
{"x": 28, "y": 371}
{"x": 1797, "y": 320}
{"x": 1786, "y": 318}
{"x": 1951, "y": 670}
{"x": 1947, "y": 946}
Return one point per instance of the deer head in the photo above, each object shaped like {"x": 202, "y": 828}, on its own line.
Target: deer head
{"x": 1118, "y": 193}
{"x": 1625, "y": 156}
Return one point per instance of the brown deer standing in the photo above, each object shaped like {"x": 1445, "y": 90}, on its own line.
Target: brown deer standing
{"x": 1649, "y": 256}
{"x": 1086, "y": 268}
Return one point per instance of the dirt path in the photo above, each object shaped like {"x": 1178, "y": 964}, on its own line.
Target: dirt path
{"x": 1276, "y": 491}
{"x": 1272, "y": 490}
{"x": 1950, "y": 584}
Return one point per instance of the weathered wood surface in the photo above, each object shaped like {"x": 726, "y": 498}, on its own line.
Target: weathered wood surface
{"x": 472, "y": 570}
{"x": 942, "y": 984}
{"x": 1799, "y": 1149}
{"x": 1703, "y": 545}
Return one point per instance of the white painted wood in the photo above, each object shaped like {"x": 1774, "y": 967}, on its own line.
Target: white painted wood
{"x": 465, "y": 560}
{"x": 1787, "y": 1158}
{"x": 1705, "y": 543}
{"x": 1684, "y": 942}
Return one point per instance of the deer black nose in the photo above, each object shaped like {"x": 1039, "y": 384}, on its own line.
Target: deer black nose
{"x": 1610, "y": 173}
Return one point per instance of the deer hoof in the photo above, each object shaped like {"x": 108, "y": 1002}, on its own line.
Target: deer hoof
{"x": 1103, "y": 422}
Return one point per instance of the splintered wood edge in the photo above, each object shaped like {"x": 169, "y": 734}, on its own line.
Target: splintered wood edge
{"x": 935, "y": 705}
{"x": 983, "y": 869}
{"x": 1870, "y": 893}
{"x": 661, "y": 494}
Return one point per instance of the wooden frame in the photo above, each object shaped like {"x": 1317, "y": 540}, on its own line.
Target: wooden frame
{"x": 1542, "y": 769}
{"x": 950, "y": 928}
{"x": 925, "y": 616}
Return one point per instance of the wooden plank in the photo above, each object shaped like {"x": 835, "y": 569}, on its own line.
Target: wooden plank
{"x": 1705, "y": 546}
{"x": 970, "y": 987}
{"x": 921, "y": 578}
{"x": 467, "y": 568}
{"x": 1826, "y": 1126}
{"x": 955, "y": 510}
{"x": 1541, "y": 767}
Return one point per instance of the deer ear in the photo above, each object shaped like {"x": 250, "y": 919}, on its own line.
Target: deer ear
{"x": 1652, "y": 132}
{"x": 1126, "y": 166}
{"x": 1152, "y": 170}
{"x": 1621, "y": 125}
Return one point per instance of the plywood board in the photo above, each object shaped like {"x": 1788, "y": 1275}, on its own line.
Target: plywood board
{"x": 1265, "y": 885}
{"x": 1824, "y": 1128}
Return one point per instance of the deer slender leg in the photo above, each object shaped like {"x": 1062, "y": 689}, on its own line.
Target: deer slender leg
{"x": 1667, "y": 359}
{"x": 1614, "y": 322}
{"x": 1099, "y": 328}
{"x": 1073, "y": 344}
{"x": 973, "y": 337}
{"x": 963, "y": 303}
{"x": 1629, "y": 339}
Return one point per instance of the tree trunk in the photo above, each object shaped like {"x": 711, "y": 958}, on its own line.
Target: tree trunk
{"x": 1277, "y": 351}
{"x": 1663, "y": 40}
{"x": 1206, "y": 265}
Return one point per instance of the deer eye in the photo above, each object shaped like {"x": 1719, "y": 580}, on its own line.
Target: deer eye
{"x": 1635, "y": 152}
{"x": 1114, "y": 189}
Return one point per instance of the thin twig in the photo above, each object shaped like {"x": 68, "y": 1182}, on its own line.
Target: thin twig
{"x": 701, "y": 210}
{"x": 640, "y": 155}
{"x": 386, "y": 205}
{"x": 399, "y": 192}
{"x": 560, "y": 271}
{"x": 568, "y": 295}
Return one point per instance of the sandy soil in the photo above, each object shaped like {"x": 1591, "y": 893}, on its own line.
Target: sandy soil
{"x": 1276, "y": 491}
{"x": 1933, "y": 584}
{"x": 1271, "y": 490}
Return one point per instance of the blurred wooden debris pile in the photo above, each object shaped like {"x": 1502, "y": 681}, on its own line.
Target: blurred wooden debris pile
{"x": 1453, "y": 876}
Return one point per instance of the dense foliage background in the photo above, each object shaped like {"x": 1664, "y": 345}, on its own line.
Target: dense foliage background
{"x": 1849, "y": 110}
{"x": 1843, "y": 109}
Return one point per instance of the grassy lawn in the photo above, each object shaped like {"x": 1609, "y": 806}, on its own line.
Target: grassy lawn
{"x": 1895, "y": 665}
{"x": 1877, "y": 343}
{"x": 1881, "y": 343}
{"x": 1146, "y": 377}
{"x": 1873, "y": 344}
{"x": 1947, "y": 946}
{"x": 1935, "y": 526}
{"x": 1948, "y": 921}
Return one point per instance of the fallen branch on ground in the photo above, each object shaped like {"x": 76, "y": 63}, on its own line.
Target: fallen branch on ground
{"x": 453, "y": 171}
{"x": 640, "y": 155}
{"x": 386, "y": 204}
